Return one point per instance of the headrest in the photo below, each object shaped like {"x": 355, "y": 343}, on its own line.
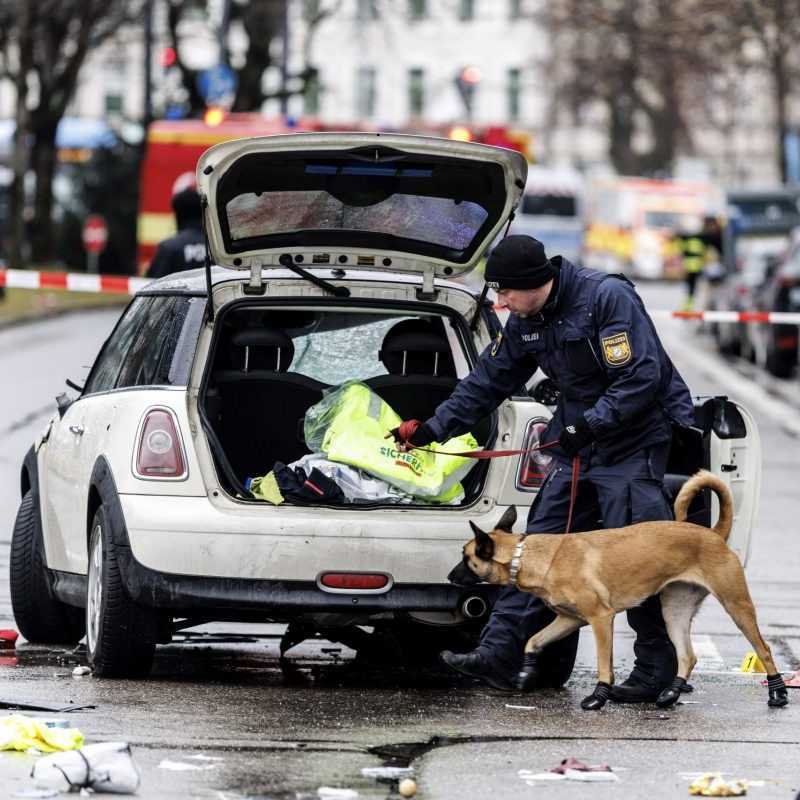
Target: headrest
{"x": 416, "y": 347}
{"x": 264, "y": 349}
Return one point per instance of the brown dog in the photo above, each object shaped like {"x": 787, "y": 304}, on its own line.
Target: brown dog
{"x": 589, "y": 578}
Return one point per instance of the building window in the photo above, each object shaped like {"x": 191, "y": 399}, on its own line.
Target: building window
{"x": 311, "y": 94}
{"x": 515, "y": 9}
{"x": 367, "y": 10}
{"x": 113, "y": 103}
{"x": 416, "y": 92}
{"x": 365, "y": 92}
{"x": 310, "y": 9}
{"x": 514, "y": 90}
{"x": 417, "y": 9}
{"x": 466, "y": 10}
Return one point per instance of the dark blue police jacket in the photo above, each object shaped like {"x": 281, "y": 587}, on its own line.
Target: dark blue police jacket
{"x": 596, "y": 342}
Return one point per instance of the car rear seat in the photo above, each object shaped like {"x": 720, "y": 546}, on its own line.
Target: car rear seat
{"x": 422, "y": 373}
{"x": 261, "y": 403}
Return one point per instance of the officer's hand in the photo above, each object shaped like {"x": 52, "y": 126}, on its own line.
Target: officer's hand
{"x": 413, "y": 432}
{"x": 575, "y": 437}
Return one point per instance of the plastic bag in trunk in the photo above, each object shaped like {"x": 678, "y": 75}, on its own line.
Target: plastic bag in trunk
{"x": 350, "y": 424}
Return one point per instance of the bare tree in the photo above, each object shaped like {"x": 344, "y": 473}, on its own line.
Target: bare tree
{"x": 640, "y": 59}
{"x": 263, "y": 22}
{"x": 46, "y": 43}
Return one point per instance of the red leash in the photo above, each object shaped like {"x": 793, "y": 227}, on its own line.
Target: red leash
{"x": 484, "y": 454}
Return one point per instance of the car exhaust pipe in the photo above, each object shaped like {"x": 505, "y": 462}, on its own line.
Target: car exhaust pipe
{"x": 474, "y": 607}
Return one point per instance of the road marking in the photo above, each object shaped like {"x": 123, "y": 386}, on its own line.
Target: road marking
{"x": 708, "y": 657}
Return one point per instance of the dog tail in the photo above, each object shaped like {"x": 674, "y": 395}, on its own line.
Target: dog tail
{"x": 707, "y": 480}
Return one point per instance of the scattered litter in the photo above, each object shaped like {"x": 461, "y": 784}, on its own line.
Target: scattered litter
{"x": 182, "y": 766}
{"x": 792, "y": 682}
{"x": 543, "y": 776}
{"x": 331, "y": 793}
{"x": 407, "y": 787}
{"x": 689, "y": 702}
{"x": 201, "y": 757}
{"x": 591, "y": 776}
{"x": 22, "y": 733}
{"x": 20, "y": 706}
{"x": 713, "y": 785}
{"x": 751, "y": 663}
{"x": 8, "y": 639}
{"x": 572, "y": 764}
{"x": 573, "y": 770}
{"x": 103, "y": 767}
{"x": 36, "y": 793}
{"x": 524, "y": 708}
{"x": 656, "y": 716}
{"x": 387, "y": 773}
{"x": 79, "y": 672}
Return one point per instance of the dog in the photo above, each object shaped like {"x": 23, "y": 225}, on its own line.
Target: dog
{"x": 586, "y": 579}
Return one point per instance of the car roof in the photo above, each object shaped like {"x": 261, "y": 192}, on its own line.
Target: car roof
{"x": 193, "y": 281}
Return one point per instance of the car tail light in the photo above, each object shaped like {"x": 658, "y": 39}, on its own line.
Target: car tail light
{"x": 159, "y": 454}
{"x": 533, "y": 466}
{"x": 353, "y": 581}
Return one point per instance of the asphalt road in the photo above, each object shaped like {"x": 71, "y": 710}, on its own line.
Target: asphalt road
{"x": 218, "y": 693}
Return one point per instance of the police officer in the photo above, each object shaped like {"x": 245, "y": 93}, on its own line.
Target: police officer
{"x": 186, "y": 249}
{"x": 619, "y": 397}
{"x": 692, "y": 249}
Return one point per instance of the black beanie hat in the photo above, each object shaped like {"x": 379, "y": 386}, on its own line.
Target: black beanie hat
{"x": 519, "y": 262}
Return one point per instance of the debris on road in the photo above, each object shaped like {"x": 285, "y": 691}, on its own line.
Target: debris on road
{"x": 573, "y": 764}
{"x": 79, "y": 672}
{"x": 103, "y": 767}
{"x": 23, "y": 734}
{"x": 573, "y": 770}
{"x": 18, "y": 705}
{"x": 387, "y": 773}
{"x": 407, "y": 787}
{"x": 332, "y": 793}
{"x": 712, "y": 784}
{"x": 8, "y": 639}
{"x": 524, "y": 708}
{"x": 792, "y": 682}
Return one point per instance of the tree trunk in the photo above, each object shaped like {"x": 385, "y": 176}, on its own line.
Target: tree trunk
{"x": 44, "y": 166}
{"x": 21, "y": 136}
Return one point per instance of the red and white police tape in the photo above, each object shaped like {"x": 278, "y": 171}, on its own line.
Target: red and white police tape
{"x": 123, "y": 284}
{"x": 71, "y": 281}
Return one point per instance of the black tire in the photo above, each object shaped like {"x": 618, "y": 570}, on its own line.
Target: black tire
{"x": 120, "y": 635}
{"x": 41, "y": 617}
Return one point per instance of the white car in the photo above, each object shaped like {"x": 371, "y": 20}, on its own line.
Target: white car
{"x": 135, "y": 521}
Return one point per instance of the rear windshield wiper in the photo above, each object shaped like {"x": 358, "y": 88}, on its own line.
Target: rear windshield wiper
{"x": 337, "y": 291}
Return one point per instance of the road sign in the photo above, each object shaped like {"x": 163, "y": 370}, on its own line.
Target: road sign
{"x": 95, "y": 234}
{"x": 218, "y": 85}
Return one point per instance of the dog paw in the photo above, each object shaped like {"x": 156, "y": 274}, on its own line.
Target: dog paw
{"x": 598, "y": 698}
{"x": 778, "y": 698}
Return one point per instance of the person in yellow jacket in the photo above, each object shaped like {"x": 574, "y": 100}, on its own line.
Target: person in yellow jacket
{"x": 692, "y": 249}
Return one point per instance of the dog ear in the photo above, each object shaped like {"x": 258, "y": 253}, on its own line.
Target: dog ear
{"x": 508, "y": 519}
{"x": 484, "y": 546}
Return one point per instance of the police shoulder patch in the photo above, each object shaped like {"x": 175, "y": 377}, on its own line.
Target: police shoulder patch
{"x": 617, "y": 349}
{"x": 498, "y": 340}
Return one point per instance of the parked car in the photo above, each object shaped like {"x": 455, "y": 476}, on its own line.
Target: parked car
{"x": 332, "y": 258}
{"x": 775, "y": 347}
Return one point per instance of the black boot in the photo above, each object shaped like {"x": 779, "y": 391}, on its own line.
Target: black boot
{"x": 598, "y": 698}
{"x": 670, "y": 695}
{"x": 778, "y": 694}
{"x": 476, "y": 665}
{"x": 529, "y": 674}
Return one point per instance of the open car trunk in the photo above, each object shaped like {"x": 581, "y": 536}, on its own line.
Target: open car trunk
{"x": 269, "y": 364}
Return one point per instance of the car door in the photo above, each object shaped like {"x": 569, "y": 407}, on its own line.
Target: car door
{"x": 74, "y": 445}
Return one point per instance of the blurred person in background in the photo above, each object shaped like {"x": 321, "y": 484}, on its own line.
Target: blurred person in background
{"x": 186, "y": 249}
{"x": 691, "y": 248}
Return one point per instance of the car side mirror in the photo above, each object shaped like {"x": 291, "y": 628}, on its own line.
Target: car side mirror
{"x": 63, "y": 402}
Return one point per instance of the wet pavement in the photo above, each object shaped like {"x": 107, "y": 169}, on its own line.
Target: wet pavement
{"x": 219, "y": 693}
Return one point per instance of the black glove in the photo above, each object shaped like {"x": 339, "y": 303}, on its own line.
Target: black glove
{"x": 575, "y": 437}
{"x": 413, "y": 432}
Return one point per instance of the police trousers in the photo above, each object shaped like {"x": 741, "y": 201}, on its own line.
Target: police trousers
{"x": 608, "y": 497}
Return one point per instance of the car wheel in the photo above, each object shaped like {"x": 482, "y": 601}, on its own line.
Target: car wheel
{"x": 120, "y": 635}
{"x": 41, "y": 617}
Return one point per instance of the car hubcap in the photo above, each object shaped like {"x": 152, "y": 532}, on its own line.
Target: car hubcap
{"x": 95, "y": 590}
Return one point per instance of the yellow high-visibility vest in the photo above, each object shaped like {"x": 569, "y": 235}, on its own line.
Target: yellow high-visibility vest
{"x": 350, "y": 425}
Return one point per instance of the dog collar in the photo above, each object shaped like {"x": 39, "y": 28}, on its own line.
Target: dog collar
{"x": 515, "y": 562}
